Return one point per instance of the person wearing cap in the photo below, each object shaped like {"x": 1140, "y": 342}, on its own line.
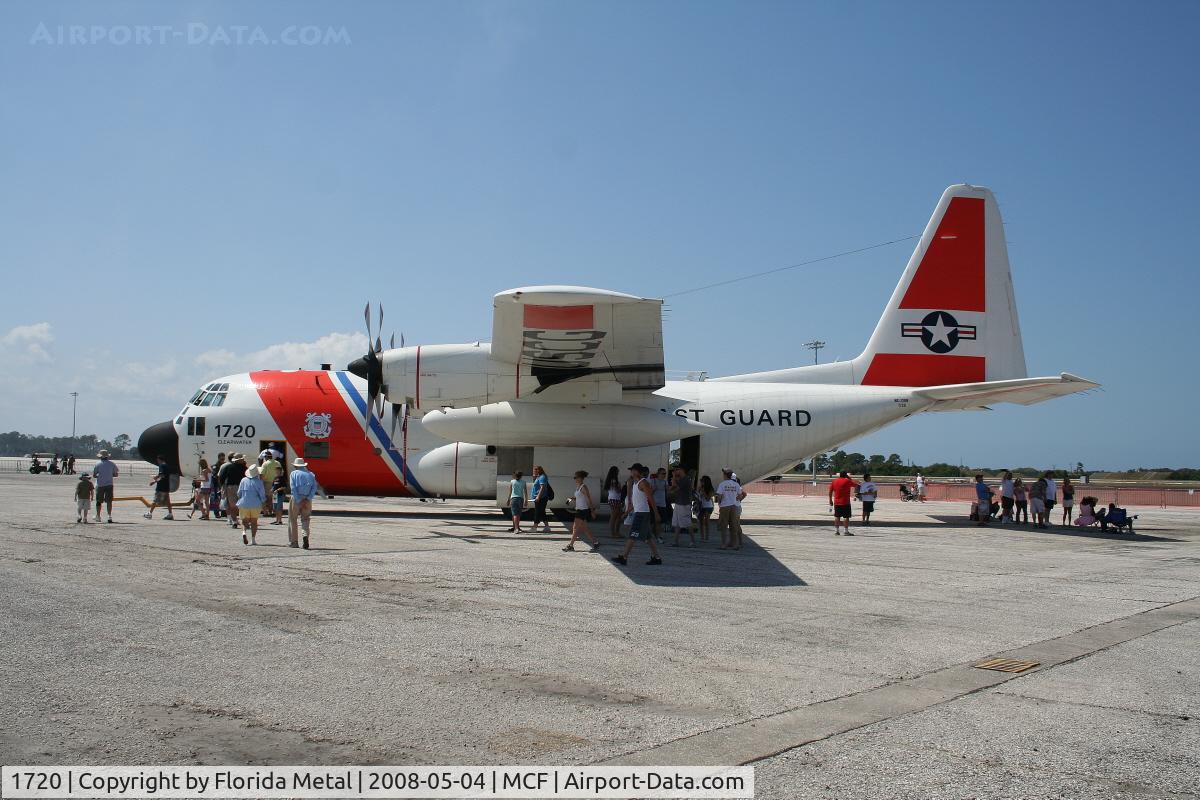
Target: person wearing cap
{"x": 105, "y": 472}
{"x": 269, "y": 469}
{"x": 303, "y": 486}
{"x": 162, "y": 490}
{"x": 250, "y": 499}
{"x": 641, "y": 503}
{"x": 84, "y": 491}
{"x": 214, "y": 487}
{"x": 730, "y": 494}
{"x": 231, "y": 477}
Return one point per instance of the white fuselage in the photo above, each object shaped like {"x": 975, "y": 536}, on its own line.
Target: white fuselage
{"x": 756, "y": 428}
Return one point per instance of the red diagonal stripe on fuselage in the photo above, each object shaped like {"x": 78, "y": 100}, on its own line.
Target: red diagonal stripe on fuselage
{"x": 353, "y": 466}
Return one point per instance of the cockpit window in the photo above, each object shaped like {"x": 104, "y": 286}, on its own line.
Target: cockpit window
{"x": 211, "y": 395}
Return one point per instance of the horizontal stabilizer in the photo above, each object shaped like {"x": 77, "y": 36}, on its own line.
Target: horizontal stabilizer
{"x": 1025, "y": 391}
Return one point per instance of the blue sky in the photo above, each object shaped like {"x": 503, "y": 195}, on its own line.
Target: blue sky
{"x": 172, "y": 211}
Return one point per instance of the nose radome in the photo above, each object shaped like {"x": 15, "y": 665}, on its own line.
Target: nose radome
{"x": 160, "y": 439}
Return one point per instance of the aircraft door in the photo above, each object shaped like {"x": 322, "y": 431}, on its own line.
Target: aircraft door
{"x": 689, "y": 454}
{"x": 274, "y": 444}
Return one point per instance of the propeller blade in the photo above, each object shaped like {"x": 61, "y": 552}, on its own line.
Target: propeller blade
{"x": 402, "y": 338}
{"x": 392, "y": 341}
{"x": 367, "y": 319}
{"x": 378, "y": 345}
{"x": 381, "y": 319}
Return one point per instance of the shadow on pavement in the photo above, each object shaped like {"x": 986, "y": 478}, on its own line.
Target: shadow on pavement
{"x": 704, "y": 565}
{"x": 1081, "y": 533}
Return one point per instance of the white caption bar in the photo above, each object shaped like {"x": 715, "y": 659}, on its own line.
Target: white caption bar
{"x": 376, "y": 782}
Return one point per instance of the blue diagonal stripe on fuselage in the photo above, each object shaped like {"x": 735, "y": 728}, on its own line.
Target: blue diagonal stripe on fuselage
{"x": 377, "y": 428}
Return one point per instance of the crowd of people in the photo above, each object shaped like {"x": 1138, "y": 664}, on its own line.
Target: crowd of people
{"x": 649, "y": 504}
{"x": 644, "y": 506}
{"x": 229, "y": 490}
{"x": 56, "y": 466}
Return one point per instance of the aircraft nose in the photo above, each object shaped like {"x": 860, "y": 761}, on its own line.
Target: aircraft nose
{"x": 160, "y": 439}
{"x": 359, "y": 367}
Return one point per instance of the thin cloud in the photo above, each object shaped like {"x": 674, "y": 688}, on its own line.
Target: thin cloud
{"x": 29, "y": 343}
{"x": 337, "y": 349}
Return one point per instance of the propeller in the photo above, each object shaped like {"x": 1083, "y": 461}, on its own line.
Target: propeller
{"x": 370, "y": 368}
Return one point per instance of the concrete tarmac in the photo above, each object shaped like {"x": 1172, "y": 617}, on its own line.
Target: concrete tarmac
{"x": 421, "y": 633}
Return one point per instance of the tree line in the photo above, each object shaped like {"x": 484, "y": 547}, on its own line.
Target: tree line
{"x": 85, "y": 446}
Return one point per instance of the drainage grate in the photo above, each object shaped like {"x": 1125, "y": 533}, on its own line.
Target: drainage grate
{"x": 1007, "y": 664}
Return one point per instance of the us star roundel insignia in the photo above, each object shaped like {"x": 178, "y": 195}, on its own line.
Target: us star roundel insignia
{"x": 939, "y": 331}
{"x": 318, "y": 425}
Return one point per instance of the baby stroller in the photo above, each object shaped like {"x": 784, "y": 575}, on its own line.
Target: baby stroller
{"x": 907, "y": 495}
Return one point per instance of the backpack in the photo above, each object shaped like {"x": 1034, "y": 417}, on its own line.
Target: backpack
{"x": 549, "y": 491}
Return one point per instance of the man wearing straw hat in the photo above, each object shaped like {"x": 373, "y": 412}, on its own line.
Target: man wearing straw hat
{"x": 303, "y": 485}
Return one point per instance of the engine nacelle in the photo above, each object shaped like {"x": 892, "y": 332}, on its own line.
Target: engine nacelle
{"x": 456, "y": 469}
{"x": 451, "y": 375}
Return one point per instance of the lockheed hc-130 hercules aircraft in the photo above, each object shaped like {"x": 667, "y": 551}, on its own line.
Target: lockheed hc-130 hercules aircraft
{"x": 574, "y": 379}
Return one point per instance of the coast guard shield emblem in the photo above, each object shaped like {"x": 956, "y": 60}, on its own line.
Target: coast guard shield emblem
{"x": 318, "y": 425}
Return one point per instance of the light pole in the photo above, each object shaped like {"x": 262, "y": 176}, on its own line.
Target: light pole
{"x": 815, "y": 345}
{"x": 74, "y": 403}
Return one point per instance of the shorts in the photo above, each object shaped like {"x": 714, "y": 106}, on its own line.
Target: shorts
{"x": 516, "y": 505}
{"x": 162, "y": 498}
{"x": 639, "y": 529}
{"x": 1037, "y": 506}
{"x": 705, "y": 511}
{"x": 682, "y": 518}
{"x": 868, "y": 506}
{"x": 82, "y": 504}
{"x": 249, "y": 513}
{"x": 842, "y": 511}
{"x": 584, "y": 514}
{"x": 1068, "y": 502}
{"x": 1050, "y": 504}
{"x": 104, "y": 494}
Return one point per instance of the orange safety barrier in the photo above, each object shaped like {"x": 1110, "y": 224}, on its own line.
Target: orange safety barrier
{"x": 965, "y": 492}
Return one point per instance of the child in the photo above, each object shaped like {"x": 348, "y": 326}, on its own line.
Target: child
{"x": 84, "y": 491}
{"x": 198, "y": 495}
{"x": 279, "y": 490}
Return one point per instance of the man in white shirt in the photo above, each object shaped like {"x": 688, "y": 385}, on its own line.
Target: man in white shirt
{"x": 921, "y": 487}
{"x": 1051, "y": 493}
{"x": 105, "y": 473}
{"x": 868, "y": 493}
{"x": 730, "y": 494}
{"x": 1007, "y": 498}
{"x": 640, "y": 504}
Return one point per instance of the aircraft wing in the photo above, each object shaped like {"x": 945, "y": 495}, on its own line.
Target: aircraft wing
{"x": 1025, "y": 391}
{"x": 568, "y": 332}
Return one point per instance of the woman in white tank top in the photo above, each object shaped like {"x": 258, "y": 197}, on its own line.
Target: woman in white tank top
{"x": 583, "y": 513}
